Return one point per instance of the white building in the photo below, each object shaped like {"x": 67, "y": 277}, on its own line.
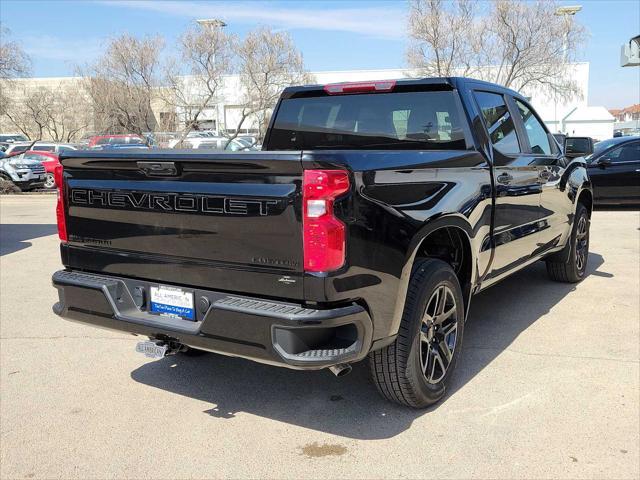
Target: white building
{"x": 573, "y": 117}
{"x": 595, "y": 122}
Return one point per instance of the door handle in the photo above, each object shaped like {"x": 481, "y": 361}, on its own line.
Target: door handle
{"x": 504, "y": 178}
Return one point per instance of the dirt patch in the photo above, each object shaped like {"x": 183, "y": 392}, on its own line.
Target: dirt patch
{"x": 315, "y": 450}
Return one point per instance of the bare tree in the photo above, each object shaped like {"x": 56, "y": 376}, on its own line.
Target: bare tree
{"x": 268, "y": 62}
{"x": 122, "y": 84}
{"x": 28, "y": 114}
{"x": 440, "y": 33}
{"x": 57, "y": 113}
{"x": 207, "y": 55}
{"x": 514, "y": 43}
{"x": 14, "y": 63}
{"x": 68, "y": 115}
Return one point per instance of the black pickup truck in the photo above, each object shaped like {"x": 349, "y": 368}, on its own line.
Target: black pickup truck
{"x": 375, "y": 211}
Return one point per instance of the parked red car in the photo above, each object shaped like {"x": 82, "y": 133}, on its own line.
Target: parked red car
{"x": 49, "y": 161}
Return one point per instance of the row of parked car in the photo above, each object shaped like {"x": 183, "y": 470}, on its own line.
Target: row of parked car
{"x": 614, "y": 165}
{"x": 31, "y": 165}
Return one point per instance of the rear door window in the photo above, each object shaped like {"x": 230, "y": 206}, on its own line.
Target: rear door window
{"x": 498, "y": 121}
{"x": 397, "y": 120}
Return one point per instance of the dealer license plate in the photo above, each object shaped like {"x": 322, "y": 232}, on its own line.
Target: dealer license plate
{"x": 172, "y": 301}
{"x": 151, "y": 350}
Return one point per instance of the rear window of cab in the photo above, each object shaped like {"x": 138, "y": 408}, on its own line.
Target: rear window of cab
{"x": 396, "y": 120}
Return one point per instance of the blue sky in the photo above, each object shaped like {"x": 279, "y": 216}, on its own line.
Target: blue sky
{"x": 332, "y": 35}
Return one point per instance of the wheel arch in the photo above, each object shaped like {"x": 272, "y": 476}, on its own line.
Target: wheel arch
{"x": 457, "y": 229}
{"x": 580, "y": 193}
{"x": 586, "y": 198}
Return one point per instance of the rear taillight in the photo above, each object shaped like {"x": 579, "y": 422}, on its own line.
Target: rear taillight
{"x": 62, "y": 223}
{"x": 359, "y": 87}
{"x": 323, "y": 233}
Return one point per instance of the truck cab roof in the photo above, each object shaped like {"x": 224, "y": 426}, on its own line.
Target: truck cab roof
{"x": 435, "y": 83}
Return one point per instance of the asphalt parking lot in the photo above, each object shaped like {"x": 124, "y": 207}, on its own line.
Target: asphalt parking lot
{"x": 548, "y": 386}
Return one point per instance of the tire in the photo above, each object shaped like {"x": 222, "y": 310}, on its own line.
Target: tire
{"x": 574, "y": 269}
{"x": 49, "y": 181}
{"x": 408, "y": 371}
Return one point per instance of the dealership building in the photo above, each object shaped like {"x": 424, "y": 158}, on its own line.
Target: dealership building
{"x": 573, "y": 117}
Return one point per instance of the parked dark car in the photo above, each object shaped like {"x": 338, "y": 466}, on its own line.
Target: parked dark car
{"x": 105, "y": 142}
{"x": 560, "y": 138}
{"x": 614, "y": 169}
{"x": 373, "y": 214}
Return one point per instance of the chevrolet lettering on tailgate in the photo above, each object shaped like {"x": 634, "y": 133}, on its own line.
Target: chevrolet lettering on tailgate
{"x": 174, "y": 202}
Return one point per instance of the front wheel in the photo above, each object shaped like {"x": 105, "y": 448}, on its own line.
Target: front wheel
{"x": 49, "y": 181}
{"x": 416, "y": 369}
{"x": 574, "y": 269}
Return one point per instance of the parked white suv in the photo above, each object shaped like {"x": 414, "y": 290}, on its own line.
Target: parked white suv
{"x": 24, "y": 173}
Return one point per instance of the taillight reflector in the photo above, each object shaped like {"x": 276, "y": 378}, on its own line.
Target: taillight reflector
{"x": 323, "y": 233}
{"x": 360, "y": 87}
{"x": 62, "y": 223}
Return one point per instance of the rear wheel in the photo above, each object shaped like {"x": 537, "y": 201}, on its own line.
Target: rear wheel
{"x": 574, "y": 269}
{"x": 416, "y": 369}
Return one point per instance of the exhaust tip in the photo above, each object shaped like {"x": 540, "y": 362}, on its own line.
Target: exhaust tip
{"x": 341, "y": 370}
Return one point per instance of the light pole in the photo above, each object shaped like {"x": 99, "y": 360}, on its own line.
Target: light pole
{"x": 566, "y": 12}
{"x": 211, "y": 23}
{"x": 569, "y": 10}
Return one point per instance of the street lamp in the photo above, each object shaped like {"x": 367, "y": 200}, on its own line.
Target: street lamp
{"x": 211, "y": 23}
{"x": 568, "y": 10}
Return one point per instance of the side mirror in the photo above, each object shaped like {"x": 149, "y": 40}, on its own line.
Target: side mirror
{"x": 578, "y": 146}
{"x": 603, "y": 162}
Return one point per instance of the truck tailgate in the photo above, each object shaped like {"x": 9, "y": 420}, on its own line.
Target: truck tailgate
{"x": 211, "y": 220}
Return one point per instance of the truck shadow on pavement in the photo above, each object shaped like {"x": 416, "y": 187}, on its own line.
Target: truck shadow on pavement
{"x": 350, "y": 406}
{"x": 15, "y": 236}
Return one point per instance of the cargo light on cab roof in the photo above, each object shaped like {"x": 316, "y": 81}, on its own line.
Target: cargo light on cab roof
{"x": 360, "y": 87}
